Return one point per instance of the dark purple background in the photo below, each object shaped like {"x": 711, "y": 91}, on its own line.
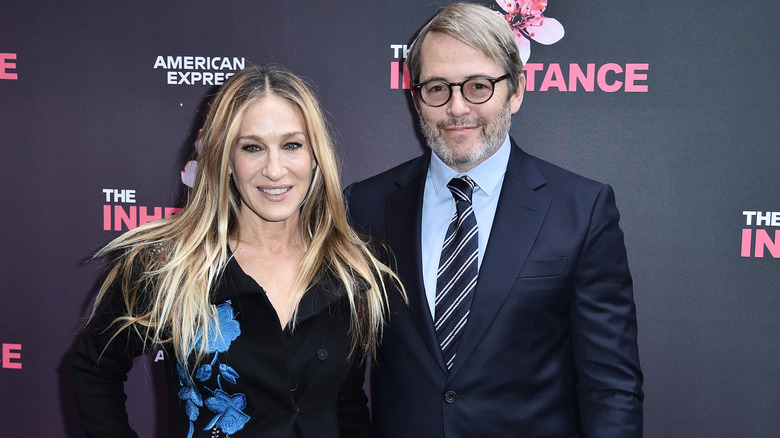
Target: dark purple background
{"x": 88, "y": 111}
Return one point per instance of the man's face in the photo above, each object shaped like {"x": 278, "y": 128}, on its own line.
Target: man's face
{"x": 463, "y": 134}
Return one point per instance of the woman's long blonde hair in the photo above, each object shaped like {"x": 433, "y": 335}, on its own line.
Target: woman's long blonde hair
{"x": 167, "y": 268}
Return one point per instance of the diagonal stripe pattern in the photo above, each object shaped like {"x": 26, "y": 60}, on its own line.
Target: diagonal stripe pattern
{"x": 457, "y": 275}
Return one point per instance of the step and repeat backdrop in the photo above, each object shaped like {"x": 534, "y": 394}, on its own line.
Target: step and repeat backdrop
{"x": 676, "y": 104}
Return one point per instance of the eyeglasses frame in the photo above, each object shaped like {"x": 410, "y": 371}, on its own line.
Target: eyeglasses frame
{"x": 493, "y": 82}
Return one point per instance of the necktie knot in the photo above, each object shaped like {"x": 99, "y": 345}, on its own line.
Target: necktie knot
{"x": 462, "y": 188}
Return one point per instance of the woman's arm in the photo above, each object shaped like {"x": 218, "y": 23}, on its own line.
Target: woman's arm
{"x": 354, "y": 418}
{"x": 100, "y": 365}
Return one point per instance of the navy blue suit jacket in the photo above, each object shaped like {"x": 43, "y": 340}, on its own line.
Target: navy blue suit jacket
{"x": 550, "y": 347}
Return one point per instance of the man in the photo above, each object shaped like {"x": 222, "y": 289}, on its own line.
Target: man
{"x": 529, "y": 328}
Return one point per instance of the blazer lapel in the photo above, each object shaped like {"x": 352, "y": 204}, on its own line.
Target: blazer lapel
{"x": 519, "y": 216}
{"x": 403, "y": 233}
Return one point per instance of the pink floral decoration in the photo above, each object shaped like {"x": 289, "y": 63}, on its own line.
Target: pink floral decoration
{"x": 188, "y": 174}
{"x": 191, "y": 168}
{"x": 527, "y": 21}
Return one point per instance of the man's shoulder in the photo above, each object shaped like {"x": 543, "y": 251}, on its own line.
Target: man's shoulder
{"x": 532, "y": 168}
{"x": 391, "y": 178}
{"x": 366, "y": 199}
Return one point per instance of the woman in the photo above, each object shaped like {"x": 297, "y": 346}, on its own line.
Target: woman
{"x": 264, "y": 299}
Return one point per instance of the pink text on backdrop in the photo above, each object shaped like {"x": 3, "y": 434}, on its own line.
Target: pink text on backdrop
{"x": 609, "y": 78}
{"x": 755, "y": 241}
{"x": 11, "y": 356}
{"x": 762, "y": 241}
{"x": 118, "y": 217}
{"x": 399, "y": 76}
{"x": 6, "y": 65}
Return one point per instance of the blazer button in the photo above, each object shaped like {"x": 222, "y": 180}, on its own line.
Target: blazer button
{"x": 322, "y": 354}
{"x": 450, "y": 397}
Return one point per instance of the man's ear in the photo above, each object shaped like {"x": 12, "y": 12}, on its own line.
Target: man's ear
{"x": 516, "y": 99}
{"x": 414, "y": 100}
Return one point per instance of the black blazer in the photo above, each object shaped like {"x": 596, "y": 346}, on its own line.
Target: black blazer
{"x": 266, "y": 383}
{"x": 550, "y": 347}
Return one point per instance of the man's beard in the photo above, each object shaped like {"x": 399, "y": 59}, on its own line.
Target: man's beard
{"x": 492, "y": 137}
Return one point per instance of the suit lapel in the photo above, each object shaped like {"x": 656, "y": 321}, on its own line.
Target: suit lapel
{"x": 519, "y": 216}
{"x": 403, "y": 233}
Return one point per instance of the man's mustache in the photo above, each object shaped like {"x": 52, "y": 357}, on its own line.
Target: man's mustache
{"x": 461, "y": 123}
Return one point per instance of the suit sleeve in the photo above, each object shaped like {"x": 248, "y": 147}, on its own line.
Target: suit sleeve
{"x": 99, "y": 369}
{"x": 604, "y": 330}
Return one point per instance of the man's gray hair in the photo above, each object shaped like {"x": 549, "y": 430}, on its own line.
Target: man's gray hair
{"x": 477, "y": 26}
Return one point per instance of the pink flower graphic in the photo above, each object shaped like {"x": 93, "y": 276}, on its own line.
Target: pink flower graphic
{"x": 191, "y": 168}
{"x": 188, "y": 174}
{"x": 527, "y": 21}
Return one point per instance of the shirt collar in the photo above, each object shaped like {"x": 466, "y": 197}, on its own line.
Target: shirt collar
{"x": 486, "y": 174}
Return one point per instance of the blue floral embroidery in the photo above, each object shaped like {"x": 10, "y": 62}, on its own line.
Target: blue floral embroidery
{"x": 228, "y": 373}
{"x": 189, "y": 394}
{"x": 204, "y": 373}
{"x": 229, "y": 330}
{"x": 228, "y": 408}
{"x": 230, "y": 417}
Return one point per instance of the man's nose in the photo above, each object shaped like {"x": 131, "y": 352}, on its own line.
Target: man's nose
{"x": 458, "y": 106}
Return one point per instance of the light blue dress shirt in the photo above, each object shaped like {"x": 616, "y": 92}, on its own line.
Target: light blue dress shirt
{"x": 439, "y": 207}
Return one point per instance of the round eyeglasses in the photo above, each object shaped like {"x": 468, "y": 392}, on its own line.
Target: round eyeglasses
{"x": 478, "y": 90}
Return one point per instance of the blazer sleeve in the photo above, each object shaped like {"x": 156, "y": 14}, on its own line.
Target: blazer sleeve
{"x": 604, "y": 329}
{"x": 354, "y": 418}
{"x": 100, "y": 363}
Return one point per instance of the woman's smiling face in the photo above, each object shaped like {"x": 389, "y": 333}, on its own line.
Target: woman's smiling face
{"x": 271, "y": 162}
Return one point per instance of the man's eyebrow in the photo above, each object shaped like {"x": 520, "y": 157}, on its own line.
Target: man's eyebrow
{"x": 441, "y": 79}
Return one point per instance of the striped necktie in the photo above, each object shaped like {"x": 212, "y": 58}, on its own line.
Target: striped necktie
{"x": 458, "y": 269}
